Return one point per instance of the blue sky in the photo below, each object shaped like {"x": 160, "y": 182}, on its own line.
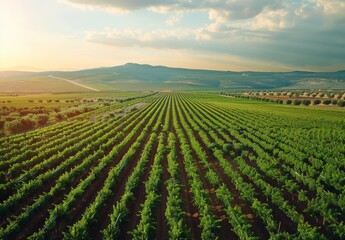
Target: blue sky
{"x": 264, "y": 35}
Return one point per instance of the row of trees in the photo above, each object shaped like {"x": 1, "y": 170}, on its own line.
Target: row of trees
{"x": 305, "y": 102}
{"x": 298, "y": 93}
{"x": 16, "y": 123}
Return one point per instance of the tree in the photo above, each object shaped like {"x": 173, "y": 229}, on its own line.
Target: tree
{"x": 317, "y": 102}
{"x": 297, "y": 102}
{"x": 42, "y": 119}
{"x": 2, "y": 124}
{"x": 306, "y": 102}
{"x": 327, "y": 102}
{"x": 341, "y": 103}
{"x": 27, "y": 123}
{"x": 13, "y": 126}
{"x": 59, "y": 116}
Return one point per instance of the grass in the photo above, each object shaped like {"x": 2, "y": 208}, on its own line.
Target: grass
{"x": 22, "y": 100}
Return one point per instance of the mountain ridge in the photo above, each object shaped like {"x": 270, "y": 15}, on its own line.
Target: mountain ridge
{"x": 134, "y": 76}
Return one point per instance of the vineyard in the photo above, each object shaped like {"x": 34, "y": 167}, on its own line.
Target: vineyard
{"x": 185, "y": 166}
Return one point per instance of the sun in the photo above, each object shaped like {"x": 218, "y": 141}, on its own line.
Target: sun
{"x": 14, "y": 32}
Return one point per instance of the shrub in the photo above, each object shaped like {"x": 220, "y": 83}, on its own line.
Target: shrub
{"x": 213, "y": 146}
{"x": 334, "y": 102}
{"x": 2, "y": 124}
{"x": 297, "y": 102}
{"x": 27, "y": 123}
{"x": 288, "y": 102}
{"x": 306, "y": 102}
{"x": 238, "y": 147}
{"x": 20, "y": 125}
{"x": 341, "y": 103}
{"x": 13, "y": 126}
{"x": 317, "y": 102}
{"x": 227, "y": 148}
{"x": 327, "y": 102}
{"x": 59, "y": 116}
{"x": 42, "y": 119}
{"x": 14, "y": 115}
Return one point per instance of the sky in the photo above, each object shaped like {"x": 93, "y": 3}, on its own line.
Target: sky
{"x": 234, "y": 35}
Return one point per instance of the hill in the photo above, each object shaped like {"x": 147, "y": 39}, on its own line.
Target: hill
{"x": 132, "y": 76}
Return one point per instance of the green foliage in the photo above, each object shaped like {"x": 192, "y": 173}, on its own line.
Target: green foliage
{"x": 341, "y": 103}
{"x": 317, "y": 102}
{"x": 306, "y": 102}
{"x": 327, "y": 102}
{"x": 42, "y": 119}
{"x": 297, "y": 102}
{"x": 246, "y": 160}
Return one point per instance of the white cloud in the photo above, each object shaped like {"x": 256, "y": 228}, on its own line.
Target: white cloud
{"x": 173, "y": 20}
{"x": 218, "y": 10}
{"x": 119, "y": 5}
{"x": 290, "y": 32}
{"x": 331, "y": 6}
{"x": 173, "y": 39}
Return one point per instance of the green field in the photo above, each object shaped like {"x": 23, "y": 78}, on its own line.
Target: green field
{"x": 184, "y": 165}
{"x": 22, "y": 99}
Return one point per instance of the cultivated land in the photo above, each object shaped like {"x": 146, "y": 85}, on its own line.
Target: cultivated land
{"x": 184, "y": 165}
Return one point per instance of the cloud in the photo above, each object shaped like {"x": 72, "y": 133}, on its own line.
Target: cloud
{"x": 120, "y": 5}
{"x": 330, "y": 6}
{"x": 173, "y": 20}
{"x": 218, "y": 10}
{"x": 294, "y": 33}
{"x": 173, "y": 39}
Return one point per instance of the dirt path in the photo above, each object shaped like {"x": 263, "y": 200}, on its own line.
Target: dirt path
{"x": 75, "y": 83}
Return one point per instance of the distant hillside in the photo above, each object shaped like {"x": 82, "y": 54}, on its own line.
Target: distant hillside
{"x": 133, "y": 76}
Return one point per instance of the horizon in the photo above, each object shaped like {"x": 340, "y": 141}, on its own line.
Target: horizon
{"x": 34, "y": 70}
{"x": 265, "y": 36}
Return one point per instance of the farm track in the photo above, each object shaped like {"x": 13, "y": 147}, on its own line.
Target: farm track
{"x": 229, "y": 174}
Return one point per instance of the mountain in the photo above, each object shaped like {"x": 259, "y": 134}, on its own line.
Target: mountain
{"x": 132, "y": 76}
